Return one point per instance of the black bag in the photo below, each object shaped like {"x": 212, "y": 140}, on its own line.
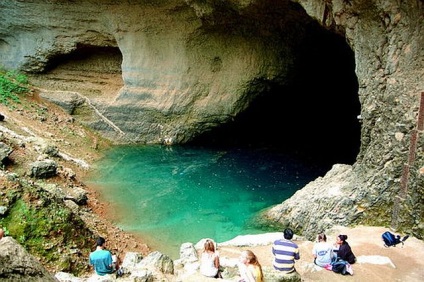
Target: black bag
{"x": 392, "y": 240}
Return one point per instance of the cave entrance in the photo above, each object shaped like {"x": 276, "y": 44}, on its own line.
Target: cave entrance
{"x": 314, "y": 116}
{"x": 92, "y": 71}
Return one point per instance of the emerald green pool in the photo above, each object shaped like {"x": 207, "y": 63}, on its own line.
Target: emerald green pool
{"x": 172, "y": 195}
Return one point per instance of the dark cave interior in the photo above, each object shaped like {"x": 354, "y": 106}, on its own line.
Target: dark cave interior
{"x": 314, "y": 116}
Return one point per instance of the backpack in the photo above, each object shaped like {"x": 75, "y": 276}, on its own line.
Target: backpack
{"x": 391, "y": 240}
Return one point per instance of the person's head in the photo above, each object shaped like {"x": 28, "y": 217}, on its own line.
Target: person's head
{"x": 1, "y": 233}
{"x": 322, "y": 238}
{"x": 341, "y": 239}
{"x": 288, "y": 234}
{"x": 209, "y": 246}
{"x": 100, "y": 242}
{"x": 248, "y": 257}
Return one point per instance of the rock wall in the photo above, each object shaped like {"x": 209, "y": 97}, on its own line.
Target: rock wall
{"x": 165, "y": 71}
{"x": 385, "y": 185}
{"x": 18, "y": 265}
{"x": 186, "y": 66}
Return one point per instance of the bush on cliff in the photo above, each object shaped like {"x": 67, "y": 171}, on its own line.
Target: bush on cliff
{"x": 11, "y": 85}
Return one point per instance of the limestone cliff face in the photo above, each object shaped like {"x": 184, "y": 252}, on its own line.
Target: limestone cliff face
{"x": 176, "y": 68}
{"x": 166, "y": 71}
{"x": 386, "y": 184}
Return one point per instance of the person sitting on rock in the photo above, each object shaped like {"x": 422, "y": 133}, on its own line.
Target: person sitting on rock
{"x": 322, "y": 251}
{"x": 102, "y": 260}
{"x": 343, "y": 249}
{"x": 209, "y": 261}
{"x": 285, "y": 253}
{"x": 249, "y": 267}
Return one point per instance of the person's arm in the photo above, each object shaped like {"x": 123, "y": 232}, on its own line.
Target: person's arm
{"x": 314, "y": 251}
{"x": 115, "y": 262}
{"x": 296, "y": 254}
{"x": 242, "y": 268}
{"x": 332, "y": 253}
{"x": 110, "y": 261}
{"x": 249, "y": 273}
{"x": 216, "y": 261}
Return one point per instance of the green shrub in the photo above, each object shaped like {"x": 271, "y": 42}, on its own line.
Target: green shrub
{"x": 12, "y": 84}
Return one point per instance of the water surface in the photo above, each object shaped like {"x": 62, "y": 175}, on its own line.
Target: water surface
{"x": 172, "y": 195}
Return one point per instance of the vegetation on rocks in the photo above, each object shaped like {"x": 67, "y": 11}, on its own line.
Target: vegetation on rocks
{"x": 11, "y": 85}
{"x": 34, "y": 216}
{"x": 45, "y": 227}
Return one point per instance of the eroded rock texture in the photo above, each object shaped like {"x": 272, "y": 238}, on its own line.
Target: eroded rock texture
{"x": 18, "y": 265}
{"x": 168, "y": 71}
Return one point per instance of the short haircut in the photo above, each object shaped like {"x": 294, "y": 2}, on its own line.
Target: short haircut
{"x": 100, "y": 241}
{"x": 288, "y": 234}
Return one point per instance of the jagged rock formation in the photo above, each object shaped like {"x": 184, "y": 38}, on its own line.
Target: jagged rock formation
{"x": 18, "y": 265}
{"x": 385, "y": 185}
{"x": 166, "y": 71}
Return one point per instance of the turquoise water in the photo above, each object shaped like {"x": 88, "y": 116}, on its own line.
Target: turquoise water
{"x": 172, "y": 195}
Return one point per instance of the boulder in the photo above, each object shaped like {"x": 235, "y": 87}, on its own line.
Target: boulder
{"x": 43, "y": 169}
{"x": 5, "y": 151}
{"x": 16, "y": 264}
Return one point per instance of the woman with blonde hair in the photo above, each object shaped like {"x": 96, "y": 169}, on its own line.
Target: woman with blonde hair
{"x": 209, "y": 261}
{"x": 250, "y": 269}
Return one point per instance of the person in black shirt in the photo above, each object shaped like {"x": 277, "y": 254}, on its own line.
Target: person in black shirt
{"x": 344, "y": 250}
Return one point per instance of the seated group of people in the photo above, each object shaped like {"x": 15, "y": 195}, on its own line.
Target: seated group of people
{"x": 285, "y": 253}
{"x": 284, "y": 250}
{"x": 250, "y": 270}
{"x": 324, "y": 253}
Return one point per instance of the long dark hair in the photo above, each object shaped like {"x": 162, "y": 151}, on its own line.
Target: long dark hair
{"x": 343, "y": 238}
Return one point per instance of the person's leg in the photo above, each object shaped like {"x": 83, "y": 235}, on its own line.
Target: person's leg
{"x": 115, "y": 262}
{"x": 218, "y": 274}
{"x": 117, "y": 266}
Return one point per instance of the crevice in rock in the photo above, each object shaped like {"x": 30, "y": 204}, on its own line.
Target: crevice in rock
{"x": 95, "y": 58}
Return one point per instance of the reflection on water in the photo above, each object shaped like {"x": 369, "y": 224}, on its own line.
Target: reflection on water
{"x": 172, "y": 195}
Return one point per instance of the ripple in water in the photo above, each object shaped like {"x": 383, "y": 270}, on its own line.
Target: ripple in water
{"x": 172, "y": 195}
